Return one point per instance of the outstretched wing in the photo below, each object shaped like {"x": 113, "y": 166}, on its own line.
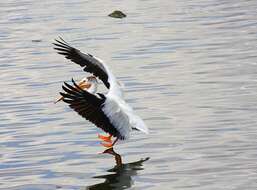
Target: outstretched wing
{"x": 85, "y": 60}
{"x": 88, "y": 106}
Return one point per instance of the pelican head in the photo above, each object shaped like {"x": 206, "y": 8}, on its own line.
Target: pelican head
{"x": 92, "y": 79}
{"x": 88, "y": 83}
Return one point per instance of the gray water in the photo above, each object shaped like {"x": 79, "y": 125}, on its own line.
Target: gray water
{"x": 189, "y": 70}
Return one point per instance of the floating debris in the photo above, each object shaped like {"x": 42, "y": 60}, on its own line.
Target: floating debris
{"x": 117, "y": 14}
{"x": 36, "y": 40}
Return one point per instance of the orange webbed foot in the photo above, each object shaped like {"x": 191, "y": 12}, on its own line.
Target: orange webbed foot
{"x": 105, "y": 138}
{"x": 109, "y": 145}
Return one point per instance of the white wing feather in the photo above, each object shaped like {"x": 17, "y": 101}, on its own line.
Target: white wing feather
{"x": 115, "y": 87}
{"x": 118, "y": 117}
{"x": 117, "y": 110}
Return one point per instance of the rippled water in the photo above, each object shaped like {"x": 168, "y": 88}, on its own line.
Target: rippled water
{"x": 190, "y": 71}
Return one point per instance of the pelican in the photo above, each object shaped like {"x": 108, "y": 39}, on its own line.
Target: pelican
{"x": 89, "y": 83}
{"x": 107, "y": 111}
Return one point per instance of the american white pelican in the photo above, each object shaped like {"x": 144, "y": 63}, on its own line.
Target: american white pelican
{"x": 89, "y": 83}
{"x": 108, "y": 112}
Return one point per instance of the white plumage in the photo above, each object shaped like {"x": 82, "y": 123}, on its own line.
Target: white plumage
{"x": 118, "y": 111}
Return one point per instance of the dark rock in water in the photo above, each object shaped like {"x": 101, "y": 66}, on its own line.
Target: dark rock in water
{"x": 117, "y": 14}
{"x": 36, "y": 40}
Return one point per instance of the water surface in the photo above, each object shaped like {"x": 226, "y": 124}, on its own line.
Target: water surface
{"x": 189, "y": 68}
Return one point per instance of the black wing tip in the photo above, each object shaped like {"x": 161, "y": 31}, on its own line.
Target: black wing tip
{"x": 65, "y": 84}
{"x": 64, "y": 87}
{"x": 60, "y": 42}
{"x": 75, "y": 84}
{"x": 60, "y": 39}
{"x": 62, "y": 94}
{"x": 73, "y": 89}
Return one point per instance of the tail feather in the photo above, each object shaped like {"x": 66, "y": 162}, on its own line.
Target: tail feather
{"x": 138, "y": 124}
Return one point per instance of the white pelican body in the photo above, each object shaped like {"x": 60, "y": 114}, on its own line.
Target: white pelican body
{"x": 118, "y": 111}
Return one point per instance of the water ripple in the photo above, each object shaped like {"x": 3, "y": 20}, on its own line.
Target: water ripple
{"x": 189, "y": 70}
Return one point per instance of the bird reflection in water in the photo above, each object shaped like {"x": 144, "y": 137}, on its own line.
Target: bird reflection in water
{"x": 121, "y": 177}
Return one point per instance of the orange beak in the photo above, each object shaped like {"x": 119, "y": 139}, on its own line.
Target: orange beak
{"x": 82, "y": 84}
{"x": 59, "y": 99}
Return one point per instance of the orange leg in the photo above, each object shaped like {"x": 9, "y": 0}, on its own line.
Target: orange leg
{"x": 109, "y": 145}
{"x": 105, "y": 138}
